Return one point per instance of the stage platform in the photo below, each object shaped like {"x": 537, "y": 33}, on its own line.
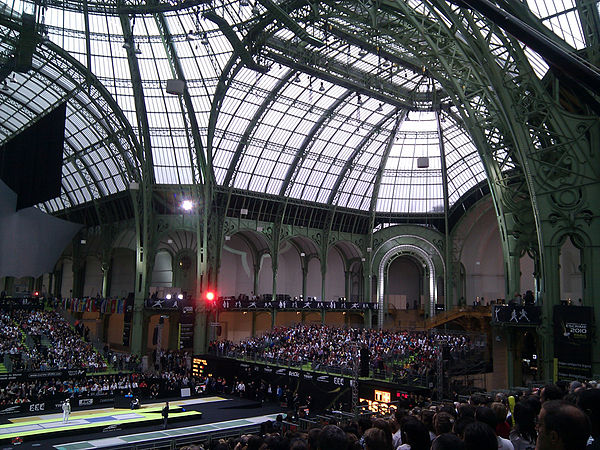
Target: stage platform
{"x": 139, "y": 438}
{"x": 109, "y": 427}
{"x": 100, "y": 420}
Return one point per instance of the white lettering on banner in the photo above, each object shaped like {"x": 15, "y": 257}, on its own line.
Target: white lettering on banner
{"x": 339, "y": 381}
{"x": 37, "y": 407}
{"x": 323, "y": 378}
{"x": 293, "y": 374}
{"x": 280, "y": 372}
{"x": 86, "y": 402}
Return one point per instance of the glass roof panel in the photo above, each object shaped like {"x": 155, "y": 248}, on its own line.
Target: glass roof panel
{"x": 562, "y": 18}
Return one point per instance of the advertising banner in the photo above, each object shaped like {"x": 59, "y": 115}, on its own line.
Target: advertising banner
{"x": 573, "y": 333}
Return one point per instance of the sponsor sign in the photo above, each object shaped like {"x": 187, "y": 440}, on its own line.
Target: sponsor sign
{"x": 573, "y": 332}
{"x": 86, "y": 401}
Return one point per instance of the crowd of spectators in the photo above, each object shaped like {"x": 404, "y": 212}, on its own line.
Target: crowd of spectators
{"x": 141, "y": 385}
{"x": 409, "y": 353}
{"x": 11, "y": 338}
{"x": 55, "y": 344}
{"x": 556, "y": 417}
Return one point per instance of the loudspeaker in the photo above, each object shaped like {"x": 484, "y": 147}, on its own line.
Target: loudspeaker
{"x": 155, "y": 336}
{"x": 365, "y": 359}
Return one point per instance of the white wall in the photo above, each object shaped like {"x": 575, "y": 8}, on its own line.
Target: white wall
{"x": 335, "y": 277}
{"x": 236, "y": 271}
{"x": 483, "y": 261}
{"x": 162, "y": 272}
{"x": 404, "y": 279}
{"x": 67, "y": 278}
{"x": 265, "y": 275}
{"x": 92, "y": 285}
{"x": 289, "y": 272}
{"x": 123, "y": 273}
{"x": 571, "y": 280}
{"x": 314, "y": 279}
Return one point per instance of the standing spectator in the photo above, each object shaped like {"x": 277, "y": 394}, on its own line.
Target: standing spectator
{"x": 589, "y": 402}
{"x": 523, "y": 436}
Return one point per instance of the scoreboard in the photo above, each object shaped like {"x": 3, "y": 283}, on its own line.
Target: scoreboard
{"x": 199, "y": 367}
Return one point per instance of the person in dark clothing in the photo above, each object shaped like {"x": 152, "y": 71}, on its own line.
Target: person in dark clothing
{"x": 589, "y": 402}
{"x": 165, "y": 414}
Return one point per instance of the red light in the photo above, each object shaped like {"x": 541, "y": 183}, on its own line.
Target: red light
{"x": 36, "y": 293}
{"x": 210, "y": 296}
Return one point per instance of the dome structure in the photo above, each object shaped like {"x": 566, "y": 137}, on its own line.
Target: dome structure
{"x": 329, "y": 103}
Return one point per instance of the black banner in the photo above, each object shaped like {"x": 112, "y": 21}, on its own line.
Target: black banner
{"x": 573, "y": 332}
{"x": 517, "y": 314}
{"x": 60, "y": 374}
{"x": 295, "y": 305}
{"x": 56, "y": 405}
{"x": 186, "y": 328}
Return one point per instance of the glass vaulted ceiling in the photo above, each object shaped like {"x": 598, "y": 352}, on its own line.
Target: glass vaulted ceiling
{"x": 288, "y": 132}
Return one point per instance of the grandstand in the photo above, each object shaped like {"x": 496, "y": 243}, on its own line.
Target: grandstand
{"x": 316, "y": 206}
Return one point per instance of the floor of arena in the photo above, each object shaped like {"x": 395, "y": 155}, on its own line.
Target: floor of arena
{"x": 108, "y": 427}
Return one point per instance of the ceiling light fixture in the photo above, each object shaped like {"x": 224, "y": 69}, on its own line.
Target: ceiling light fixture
{"x": 362, "y": 52}
{"x": 380, "y": 107}
{"x": 204, "y": 39}
{"x": 297, "y": 79}
{"x": 187, "y": 205}
{"x": 322, "y": 87}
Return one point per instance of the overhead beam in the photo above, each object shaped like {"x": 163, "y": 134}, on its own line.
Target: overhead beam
{"x": 345, "y": 82}
{"x": 290, "y": 23}
{"x": 568, "y": 63}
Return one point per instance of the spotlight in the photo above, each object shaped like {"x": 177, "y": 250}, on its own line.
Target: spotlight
{"x": 4, "y": 87}
{"x": 187, "y": 205}
{"x": 297, "y": 79}
{"x": 321, "y": 88}
{"x": 362, "y": 52}
{"x": 380, "y": 107}
{"x": 180, "y": 296}
{"x": 204, "y": 39}
{"x": 137, "y": 51}
{"x": 168, "y": 296}
{"x": 126, "y": 45}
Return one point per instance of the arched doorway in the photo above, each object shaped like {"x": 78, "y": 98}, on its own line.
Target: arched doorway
{"x": 429, "y": 278}
{"x": 404, "y": 282}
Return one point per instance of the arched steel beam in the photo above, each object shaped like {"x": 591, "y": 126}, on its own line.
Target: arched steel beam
{"x": 301, "y": 153}
{"x": 250, "y": 127}
{"x": 132, "y": 166}
{"x": 377, "y": 183}
{"x": 140, "y": 105}
{"x": 238, "y": 46}
{"x": 189, "y": 111}
{"x": 358, "y": 151}
{"x": 223, "y": 84}
{"x": 570, "y": 64}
